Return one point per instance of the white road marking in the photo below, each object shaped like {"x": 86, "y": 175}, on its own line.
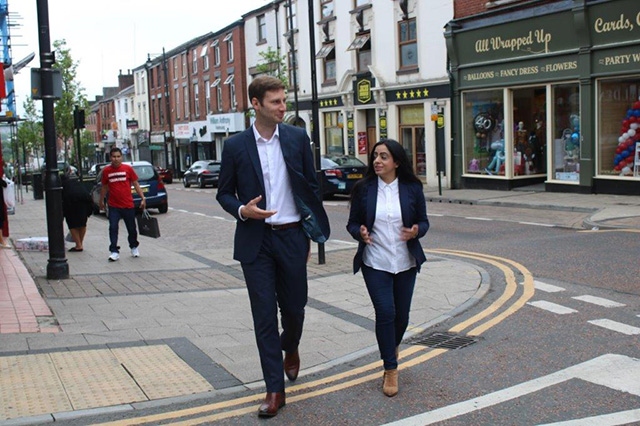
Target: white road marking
{"x": 617, "y": 372}
{"x": 182, "y": 211}
{"x": 433, "y": 214}
{"x": 537, "y": 224}
{"x": 612, "y": 419}
{"x": 549, "y": 288}
{"x": 599, "y": 301}
{"x": 616, "y": 326}
{"x": 552, "y": 307}
{"x": 479, "y": 218}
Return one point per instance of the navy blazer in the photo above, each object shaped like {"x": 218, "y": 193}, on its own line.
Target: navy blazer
{"x": 363, "y": 212}
{"x": 241, "y": 180}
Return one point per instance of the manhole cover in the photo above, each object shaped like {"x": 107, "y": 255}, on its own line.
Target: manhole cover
{"x": 443, "y": 340}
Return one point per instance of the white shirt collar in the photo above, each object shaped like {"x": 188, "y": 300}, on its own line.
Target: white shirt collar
{"x": 259, "y": 138}
{"x": 393, "y": 185}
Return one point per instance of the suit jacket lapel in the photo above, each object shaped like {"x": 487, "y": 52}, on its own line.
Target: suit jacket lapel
{"x": 252, "y": 150}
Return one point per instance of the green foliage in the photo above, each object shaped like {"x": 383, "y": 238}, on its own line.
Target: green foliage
{"x": 31, "y": 132}
{"x": 274, "y": 65}
{"x": 72, "y": 93}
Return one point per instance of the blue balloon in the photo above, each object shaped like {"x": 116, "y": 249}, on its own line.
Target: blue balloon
{"x": 629, "y": 113}
{"x": 575, "y": 136}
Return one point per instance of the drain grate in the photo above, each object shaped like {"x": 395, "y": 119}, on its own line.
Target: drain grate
{"x": 443, "y": 340}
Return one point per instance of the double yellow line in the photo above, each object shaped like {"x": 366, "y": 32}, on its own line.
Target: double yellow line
{"x": 306, "y": 391}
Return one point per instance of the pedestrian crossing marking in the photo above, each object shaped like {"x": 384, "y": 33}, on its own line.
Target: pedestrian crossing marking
{"x": 552, "y": 307}
{"x": 599, "y": 301}
{"x": 616, "y": 326}
{"x": 547, "y": 288}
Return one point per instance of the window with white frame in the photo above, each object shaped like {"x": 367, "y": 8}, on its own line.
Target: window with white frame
{"x": 219, "y": 97}
{"x": 207, "y": 94}
{"x": 408, "y": 43}
{"x": 185, "y": 100}
{"x": 204, "y": 54}
{"x": 232, "y": 90}
{"x": 327, "y": 8}
{"x": 176, "y": 94}
{"x": 196, "y": 99}
{"x": 216, "y": 52}
{"x": 229, "y": 40}
{"x": 194, "y": 61}
{"x": 184, "y": 64}
{"x": 262, "y": 29}
{"x": 358, "y": 3}
{"x": 175, "y": 68}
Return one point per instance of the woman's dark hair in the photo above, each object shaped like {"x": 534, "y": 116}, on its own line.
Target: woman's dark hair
{"x": 404, "y": 171}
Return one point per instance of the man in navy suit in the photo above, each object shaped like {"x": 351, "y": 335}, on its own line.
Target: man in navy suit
{"x": 268, "y": 183}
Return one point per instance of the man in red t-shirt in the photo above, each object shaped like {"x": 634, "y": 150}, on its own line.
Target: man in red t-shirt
{"x": 117, "y": 180}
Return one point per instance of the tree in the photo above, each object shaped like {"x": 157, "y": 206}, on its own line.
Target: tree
{"x": 31, "y": 132}
{"x": 72, "y": 95}
{"x": 274, "y": 65}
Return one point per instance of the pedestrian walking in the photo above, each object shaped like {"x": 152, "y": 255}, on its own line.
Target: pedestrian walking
{"x": 76, "y": 208}
{"x": 3, "y": 210}
{"x": 268, "y": 183}
{"x": 388, "y": 215}
{"x": 117, "y": 180}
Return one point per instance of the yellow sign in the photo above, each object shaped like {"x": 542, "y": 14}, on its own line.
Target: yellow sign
{"x": 440, "y": 122}
{"x": 364, "y": 91}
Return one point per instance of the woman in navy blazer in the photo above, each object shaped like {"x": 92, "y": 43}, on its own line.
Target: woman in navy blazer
{"x": 388, "y": 215}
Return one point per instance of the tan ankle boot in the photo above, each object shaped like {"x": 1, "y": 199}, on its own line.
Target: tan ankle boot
{"x": 390, "y": 384}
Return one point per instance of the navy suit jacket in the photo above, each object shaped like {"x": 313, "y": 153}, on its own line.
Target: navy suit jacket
{"x": 241, "y": 180}
{"x": 363, "y": 212}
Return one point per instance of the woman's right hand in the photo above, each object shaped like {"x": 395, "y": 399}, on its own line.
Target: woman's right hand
{"x": 364, "y": 234}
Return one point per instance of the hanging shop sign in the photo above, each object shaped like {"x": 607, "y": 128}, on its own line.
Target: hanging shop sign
{"x": 363, "y": 91}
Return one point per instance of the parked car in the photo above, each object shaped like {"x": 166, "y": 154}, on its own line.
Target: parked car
{"x": 340, "y": 173}
{"x": 95, "y": 169}
{"x": 152, "y": 186}
{"x": 202, "y": 173}
{"x": 165, "y": 174}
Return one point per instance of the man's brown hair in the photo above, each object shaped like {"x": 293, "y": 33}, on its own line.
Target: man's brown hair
{"x": 263, "y": 84}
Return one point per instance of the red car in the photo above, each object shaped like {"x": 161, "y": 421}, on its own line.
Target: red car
{"x": 165, "y": 174}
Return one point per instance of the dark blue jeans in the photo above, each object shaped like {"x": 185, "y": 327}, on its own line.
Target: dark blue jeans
{"x": 391, "y": 296}
{"x": 129, "y": 217}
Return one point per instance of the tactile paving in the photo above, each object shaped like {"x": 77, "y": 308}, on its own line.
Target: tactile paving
{"x": 160, "y": 372}
{"x": 95, "y": 378}
{"x": 29, "y": 385}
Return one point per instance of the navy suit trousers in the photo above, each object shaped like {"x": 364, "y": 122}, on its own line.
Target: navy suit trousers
{"x": 278, "y": 278}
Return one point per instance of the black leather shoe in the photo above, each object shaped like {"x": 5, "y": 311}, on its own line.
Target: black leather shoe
{"x": 272, "y": 403}
{"x": 292, "y": 365}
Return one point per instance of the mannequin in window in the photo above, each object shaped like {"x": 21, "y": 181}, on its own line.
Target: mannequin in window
{"x": 521, "y": 137}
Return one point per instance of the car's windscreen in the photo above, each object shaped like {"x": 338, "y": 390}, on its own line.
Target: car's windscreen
{"x": 144, "y": 172}
{"x": 213, "y": 167}
{"x": 347, "y": 161}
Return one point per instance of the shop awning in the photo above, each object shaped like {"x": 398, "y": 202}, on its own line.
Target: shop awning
{"x": 359, "y": 41}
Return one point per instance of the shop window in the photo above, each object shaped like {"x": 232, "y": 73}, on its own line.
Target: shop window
{"x": 333, "y": 125}
{"x": 529, "y": 132}
{"x": 566, "y": 132}
{"x": 408, "y": 44}
{"x": 412, "y": 136}
{"x": 483, "y": 132}
{"x": 618, "y": 143}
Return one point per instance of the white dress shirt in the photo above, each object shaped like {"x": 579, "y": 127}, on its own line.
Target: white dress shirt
{"x": 388, "y": 252}
{"x": 277, "y": 186}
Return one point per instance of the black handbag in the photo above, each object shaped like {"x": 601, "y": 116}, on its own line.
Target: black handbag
{"x": 147, "y": 225}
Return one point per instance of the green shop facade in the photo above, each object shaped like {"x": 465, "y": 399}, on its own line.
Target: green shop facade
{"x": 547, "y": 94}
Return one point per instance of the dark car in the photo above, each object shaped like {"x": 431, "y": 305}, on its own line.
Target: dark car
{"x": 152, "y": 186}
{"x": 165, "y": 174}
{"x": 202, "y": 173}
{"x": 340, "y": 173}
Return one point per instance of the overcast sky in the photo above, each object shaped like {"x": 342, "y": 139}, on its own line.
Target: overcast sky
{"x": 105, "y": 37}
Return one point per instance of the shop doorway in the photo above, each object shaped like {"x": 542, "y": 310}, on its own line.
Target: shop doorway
{"x": 530, "y": 135}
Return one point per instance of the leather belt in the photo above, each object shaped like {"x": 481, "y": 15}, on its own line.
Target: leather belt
{"x": 283, "y": 226}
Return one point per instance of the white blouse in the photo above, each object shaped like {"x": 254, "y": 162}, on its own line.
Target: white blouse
{"x": 387, "y": 252}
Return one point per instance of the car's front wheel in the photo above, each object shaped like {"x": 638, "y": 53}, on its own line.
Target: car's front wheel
{"x": 185, "y": 182}
{"x": 201, "y": 183}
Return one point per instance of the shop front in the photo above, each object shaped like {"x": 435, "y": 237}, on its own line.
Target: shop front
{"x": 548, "y": 95}
{"x": 221, "y": 127}
{"x": 157, "y": 149}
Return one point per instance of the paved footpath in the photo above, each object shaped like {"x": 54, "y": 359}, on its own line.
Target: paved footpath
{"x": 175, "y": 323}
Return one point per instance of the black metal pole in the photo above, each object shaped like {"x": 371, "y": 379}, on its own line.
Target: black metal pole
{"x": 168, "y": 142}
{"x": 315, "y": 114}
{"x": 294, "y": 64}
{"x": 57, "y": 266}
